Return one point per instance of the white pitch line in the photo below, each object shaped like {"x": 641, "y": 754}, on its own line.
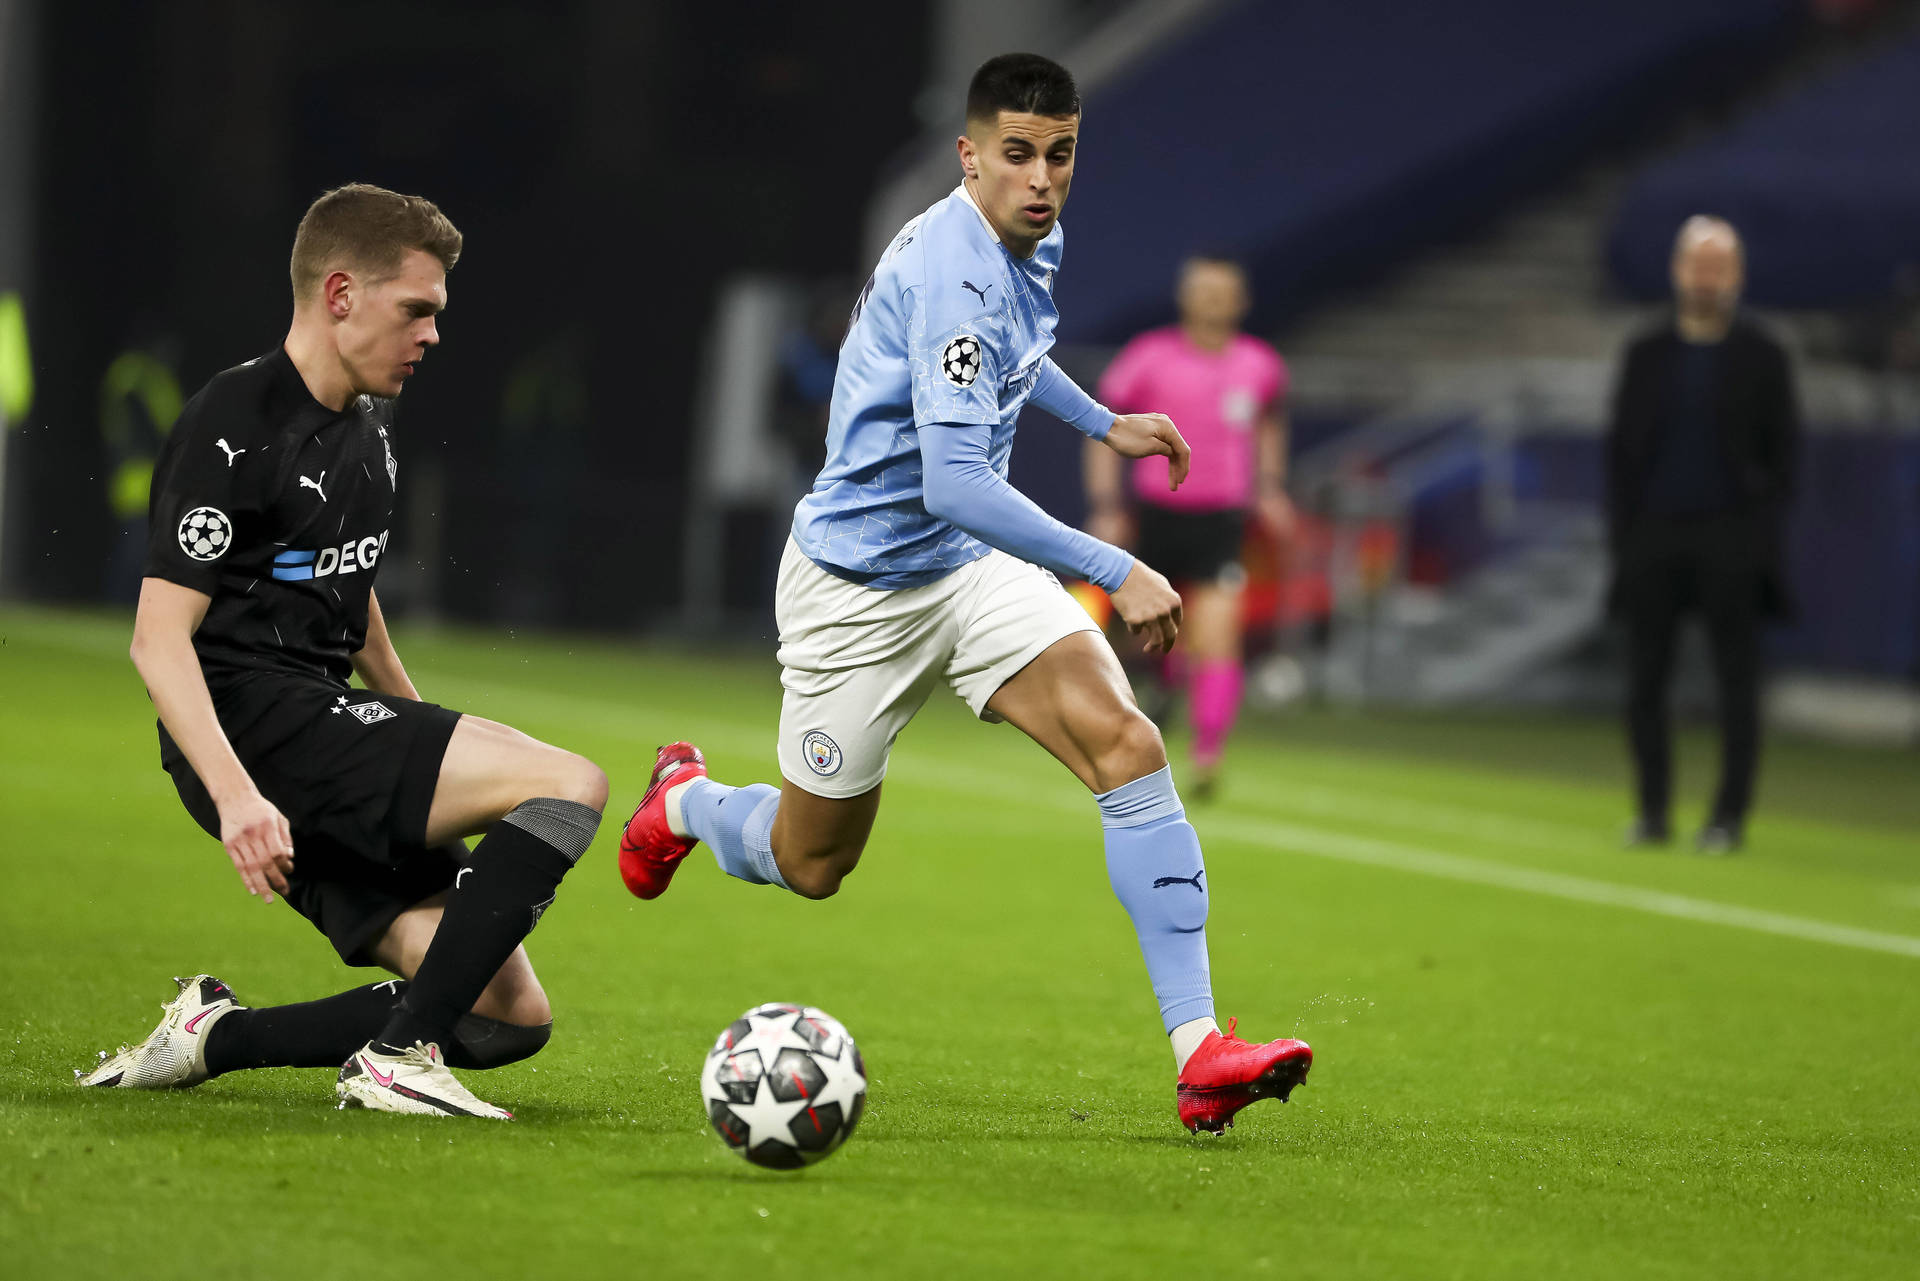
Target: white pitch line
{"x": 1580, "y": 889}
{"x": 929, "y": 771}
{"x": 618, "y": 719}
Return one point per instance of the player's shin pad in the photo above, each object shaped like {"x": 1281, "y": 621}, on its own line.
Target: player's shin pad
{"x": 480, "y": 1042}
{"x": 1154, "y": 864}
{"x": 567, "y": 826}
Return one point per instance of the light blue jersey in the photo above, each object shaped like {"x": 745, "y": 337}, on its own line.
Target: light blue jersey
{"x": 950, "y": 329}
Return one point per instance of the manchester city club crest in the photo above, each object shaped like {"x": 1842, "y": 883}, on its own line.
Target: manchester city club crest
{"x": 822, "y": 753}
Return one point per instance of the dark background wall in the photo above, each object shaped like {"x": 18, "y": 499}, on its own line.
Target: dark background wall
{"x": 607, "y": 161}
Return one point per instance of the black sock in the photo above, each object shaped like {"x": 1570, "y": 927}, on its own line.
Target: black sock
{"x": 495, "y": 904}
{"x": 322, "y": 1033}
{"x": 325, "y": 1033}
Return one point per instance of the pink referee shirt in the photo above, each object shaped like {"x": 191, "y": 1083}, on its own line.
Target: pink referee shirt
{"x": 1214, "y": 398}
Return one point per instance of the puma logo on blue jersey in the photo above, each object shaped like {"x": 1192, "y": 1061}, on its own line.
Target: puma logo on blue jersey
{"x": 1161, "y": 882}
{"x": 968, "y": 284}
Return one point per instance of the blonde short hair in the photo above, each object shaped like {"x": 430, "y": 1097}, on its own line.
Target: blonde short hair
{"x": 368, "y": 229}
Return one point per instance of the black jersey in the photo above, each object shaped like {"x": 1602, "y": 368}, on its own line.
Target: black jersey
{"x": 278, "y": 508}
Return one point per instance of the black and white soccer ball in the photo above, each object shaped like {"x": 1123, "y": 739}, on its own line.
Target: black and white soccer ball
{"x": 960, "y": 360}
{"x": 784, "y": 1085}
{"x": 205, "y": 533}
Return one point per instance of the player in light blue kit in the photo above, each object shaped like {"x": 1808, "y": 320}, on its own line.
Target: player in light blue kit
{"x": 913, "y": 560}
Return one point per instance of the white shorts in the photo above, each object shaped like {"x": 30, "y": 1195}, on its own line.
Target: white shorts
{"x": 858, "y": 662}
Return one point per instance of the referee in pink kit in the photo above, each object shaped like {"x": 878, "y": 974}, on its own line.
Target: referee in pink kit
{"x": 1226, "y": 392}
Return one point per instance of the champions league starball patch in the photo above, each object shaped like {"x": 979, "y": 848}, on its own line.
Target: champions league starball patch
{"x": 822, "y": 753}
{"x": 960, "y": 360}
{"x": 206, "y": 533}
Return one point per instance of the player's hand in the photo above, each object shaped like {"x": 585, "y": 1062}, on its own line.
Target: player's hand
{"x": 1111, "y": 525}
{"x": 1276, "y": 515}
{"x": 1152, "y": 436}
{"x": 259, "y": 842}
{"x": 1150, "y": 607}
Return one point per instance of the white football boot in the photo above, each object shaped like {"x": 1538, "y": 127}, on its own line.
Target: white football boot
{"x": 174, "y": 1057}
{"x": 415, "y": 1080}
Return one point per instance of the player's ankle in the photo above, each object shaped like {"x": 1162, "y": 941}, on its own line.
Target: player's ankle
{"x": 1187, "y": 1038}
{"x": 675, "y": 801}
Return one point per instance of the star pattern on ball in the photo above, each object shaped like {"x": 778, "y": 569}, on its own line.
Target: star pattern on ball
{"x": 770, "y": 1035}
{"x": 784, "y": 1085}
{"x": 767, "y": 1118}
{"x": 844, "y": 1082}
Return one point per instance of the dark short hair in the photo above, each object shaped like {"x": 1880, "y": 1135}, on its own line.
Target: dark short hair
{"x": 1023, "y": 82}
{"x": 1215, "y": 256}
{"x": 368, "y": 229}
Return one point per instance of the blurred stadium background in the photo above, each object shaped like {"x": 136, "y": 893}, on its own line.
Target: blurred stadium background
{"x": 1454, "y": 215}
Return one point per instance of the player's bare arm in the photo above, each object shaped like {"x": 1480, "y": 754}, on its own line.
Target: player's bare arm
{"x": 1146, "y": 602}
{"x": 378, "y": 664}
{"x": 256, "y": 835}
{"x": 1103, "y": 474}
{"x": 1271, "y": 502}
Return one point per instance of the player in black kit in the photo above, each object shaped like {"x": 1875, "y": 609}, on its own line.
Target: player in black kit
{"x": 271, "y": 508}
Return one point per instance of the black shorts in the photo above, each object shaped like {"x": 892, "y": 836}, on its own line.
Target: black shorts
{"x": 354, "y": 772}
{"x": 1192, "y": 547}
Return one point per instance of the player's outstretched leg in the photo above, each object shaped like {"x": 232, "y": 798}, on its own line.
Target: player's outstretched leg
{"x": 760, "y": 834}
{"x": 1073, "y": 701}
{"x": 326, "y": 1032}
{"x": 539, "y": 809}
{"x": 205, "y": 1032}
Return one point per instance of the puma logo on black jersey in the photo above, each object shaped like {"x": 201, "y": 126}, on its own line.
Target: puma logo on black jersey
{"x": 314, "y": 485}
{"x": 229, "y": 450}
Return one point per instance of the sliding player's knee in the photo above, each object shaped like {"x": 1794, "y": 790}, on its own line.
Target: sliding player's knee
{"x": 528, "y": 1008}
{"x": 515, "y": 996}
{"x": 578, "y": 779}
{"x": 1132, "y": 749}
{"x": 550, "y": 773}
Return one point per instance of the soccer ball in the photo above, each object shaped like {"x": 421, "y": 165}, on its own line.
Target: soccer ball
{"x": 784, "y": 1085}
{"x": 960, "y": 360}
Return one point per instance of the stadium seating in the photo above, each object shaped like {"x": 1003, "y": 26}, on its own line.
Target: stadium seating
{"x": 1293, "y": 135}
{"x": 1825, "y": 186}
{"x": 1853, "y": 544}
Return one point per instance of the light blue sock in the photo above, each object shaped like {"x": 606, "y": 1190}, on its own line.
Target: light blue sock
{"x": 737, "y": 825}
{"x": 1153, "y": 861}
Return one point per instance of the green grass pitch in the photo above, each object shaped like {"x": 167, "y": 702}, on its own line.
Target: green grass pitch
{"x": 1536, "y": 1055}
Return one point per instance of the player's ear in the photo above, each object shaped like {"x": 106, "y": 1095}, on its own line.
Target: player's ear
{"x": 969, "y": 156}
{"x": 336, "y": 294}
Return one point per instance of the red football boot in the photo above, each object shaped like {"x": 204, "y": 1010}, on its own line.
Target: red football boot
{"x": 1226, "y": 1073}
{"x": 649, "y": 851}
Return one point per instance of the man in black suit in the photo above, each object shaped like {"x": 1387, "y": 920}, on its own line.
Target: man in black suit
{"x": 1701, "y": 453}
